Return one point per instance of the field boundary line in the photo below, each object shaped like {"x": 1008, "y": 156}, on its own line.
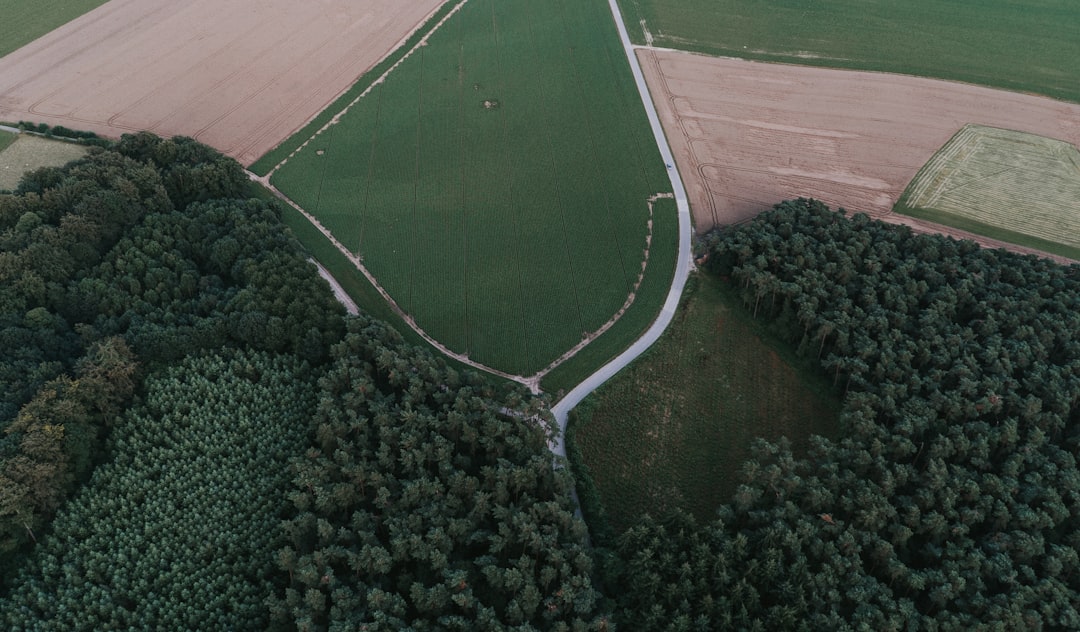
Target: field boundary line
{"x": 532, "y": 382}
{"x": 337, "y": 117}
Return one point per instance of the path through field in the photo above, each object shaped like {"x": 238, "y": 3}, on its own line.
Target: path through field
{"x": 238, "y": 75}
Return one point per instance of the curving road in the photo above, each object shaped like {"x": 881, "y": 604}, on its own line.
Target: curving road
{"x": 682, "y": 268}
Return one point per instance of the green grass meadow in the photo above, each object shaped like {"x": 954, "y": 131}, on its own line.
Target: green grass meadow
{"x": 22, "y": 22}
{"x": 496, "y": 182}
{"x": 1007, "y": 185}
{"x": 1023, "y": 46}
{"x": 675, "y": 427}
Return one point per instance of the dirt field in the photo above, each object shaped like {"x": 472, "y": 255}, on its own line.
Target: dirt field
{"x": 239, "y": 75}
{"x": 748, "y": 134}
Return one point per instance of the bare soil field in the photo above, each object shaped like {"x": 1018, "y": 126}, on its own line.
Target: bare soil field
{"x": 239, "y": 75}
{"x": 748, "y": 134}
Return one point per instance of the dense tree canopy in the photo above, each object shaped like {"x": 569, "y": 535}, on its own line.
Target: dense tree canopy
{"x": 139, "y": 254}
{"x": 953, "y": 500}
{"x": 177, "y": 529}
{"x": 427, "y": 503}
{"x": 421, "y": 497}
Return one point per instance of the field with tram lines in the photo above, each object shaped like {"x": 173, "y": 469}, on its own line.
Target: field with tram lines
{"x": 496, "y": 182}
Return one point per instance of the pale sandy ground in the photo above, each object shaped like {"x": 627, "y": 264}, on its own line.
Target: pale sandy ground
{"x": 31, "y": 152}
{"x": 747, "y": 135}
{"x": 239, "y": 75}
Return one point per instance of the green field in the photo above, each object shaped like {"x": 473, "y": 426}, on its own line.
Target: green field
{"x": 496, "y": 182}
{"x": 1024, "y": 46}
{"x": 26, "y": 153}
{"x": 6, "y": 139}
{"x": 22, "y": 22}
{"x": 1003, "y": 184}
{"x": 674, "y": 428}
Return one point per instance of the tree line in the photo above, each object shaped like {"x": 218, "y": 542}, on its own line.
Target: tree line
{"x": 196, "y": 435}
{"x": 952, "y": 500}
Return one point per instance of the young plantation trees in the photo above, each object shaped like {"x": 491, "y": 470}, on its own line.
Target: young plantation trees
{"x": 177, "y": 530}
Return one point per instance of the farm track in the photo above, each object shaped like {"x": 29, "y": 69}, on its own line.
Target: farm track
{"x": 682, "y": 263}
{"x": 532, "y": 382}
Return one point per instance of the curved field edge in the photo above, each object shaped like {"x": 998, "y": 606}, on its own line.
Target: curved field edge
{"x": 997, "y": 43}
{"x": 25, "y": 21}
{"x": 481, "y": 247}
{"x": 709, "y": 312}
{"x": 640, "y": 315}
{"x": 358, "y": 288}
{"x": 274, "y": 157}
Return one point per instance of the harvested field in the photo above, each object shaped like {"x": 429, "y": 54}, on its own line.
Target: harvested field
{"x": 239, "y": 75}
{"x": 750, "y": 134}
{"x": 1011, "y": 185}
{"x": 28, "y": 152}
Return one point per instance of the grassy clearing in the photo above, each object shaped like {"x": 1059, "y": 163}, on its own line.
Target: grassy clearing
{"x": 496, "y": 182}
{"x": 27, "y": 153}
{"x": 1024, "y": 46}
{"x": 673, "y": 429}
{"x": 1008, "y": 185}
{"x": 23, "y": 22}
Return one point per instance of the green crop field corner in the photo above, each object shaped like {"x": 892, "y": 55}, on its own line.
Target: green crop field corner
{"x": 26, "y": 152}
{"x": 675, "y": 427}
{"x": 6, "y": 139}
{"x": 497, "y": 182}
{"x": 1008, "y": 185}
{"x": 1023, "y": 46}
{"x": 22, "y": 22}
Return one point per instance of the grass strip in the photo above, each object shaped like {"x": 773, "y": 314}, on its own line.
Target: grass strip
{"x": 986, "y": 230}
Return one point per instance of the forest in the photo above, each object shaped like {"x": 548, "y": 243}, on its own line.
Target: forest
{"x": 194, "y": 433}
{"x": 952, "y": 500}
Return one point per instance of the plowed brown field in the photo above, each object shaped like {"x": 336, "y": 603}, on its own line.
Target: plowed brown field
{"x": 239, "y": 75}
{"x": 747, "y": 134}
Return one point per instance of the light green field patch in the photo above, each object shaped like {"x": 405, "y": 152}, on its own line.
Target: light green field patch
{"x": 1004, "y": 184}
{"x": 27, "y": 153}
{"x": 22, "y": 22}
